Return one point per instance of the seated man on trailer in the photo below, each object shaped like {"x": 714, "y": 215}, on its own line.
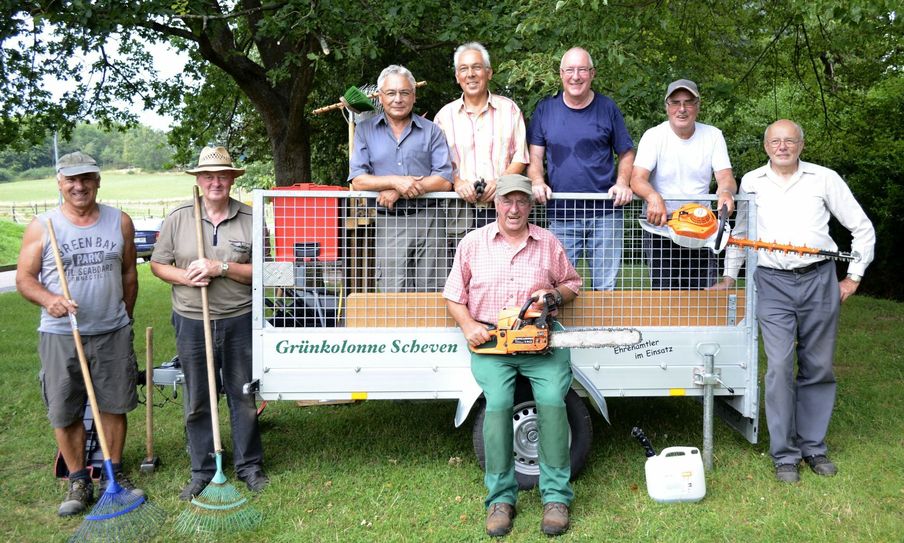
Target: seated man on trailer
{"x": 501, "y": 265}
{"x": 403, "y": 156}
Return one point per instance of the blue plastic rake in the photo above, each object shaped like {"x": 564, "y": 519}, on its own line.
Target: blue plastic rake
{"x": 119, "y": 514}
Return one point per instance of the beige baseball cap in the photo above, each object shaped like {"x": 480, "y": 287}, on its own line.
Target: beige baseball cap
{"x": 513, "y": 182}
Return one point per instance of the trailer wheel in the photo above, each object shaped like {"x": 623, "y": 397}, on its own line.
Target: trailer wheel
{"x": 526, "y": 435}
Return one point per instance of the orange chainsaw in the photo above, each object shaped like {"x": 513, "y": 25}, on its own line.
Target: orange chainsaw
{"x": 529, "y": 331}
{"x": 695, "y": 226}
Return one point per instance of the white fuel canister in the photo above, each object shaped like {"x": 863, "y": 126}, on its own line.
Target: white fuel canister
{"x": 676, "y": 475}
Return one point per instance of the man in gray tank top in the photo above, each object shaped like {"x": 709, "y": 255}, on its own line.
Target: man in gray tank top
{"x": 97, "y": 247}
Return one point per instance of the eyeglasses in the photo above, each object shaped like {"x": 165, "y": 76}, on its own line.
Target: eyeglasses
{"x": 687, "y": 104}
{"x": 520, "y": 202}
{"x": 776, "y": 142}
{"x": 582, "y": 71}
{"x": 475, "y": 68}
{"x": 391, "y": 94}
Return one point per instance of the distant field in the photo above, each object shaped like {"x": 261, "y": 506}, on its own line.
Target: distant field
{"x": 114, "y": 186}
{"x": 139, "y": 194}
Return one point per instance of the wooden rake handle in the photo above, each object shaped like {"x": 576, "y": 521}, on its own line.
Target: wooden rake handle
{"x": 149, "y": 387}
{"x": 208, "y": 338}
{"x": 77, "y": 338}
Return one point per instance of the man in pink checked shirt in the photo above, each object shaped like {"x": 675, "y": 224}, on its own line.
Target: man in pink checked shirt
{"x": 485, "y": 132}
{"x": 501, "y": 265}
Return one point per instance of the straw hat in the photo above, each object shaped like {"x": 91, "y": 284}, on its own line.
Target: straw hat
{"x": 215, "y": 159}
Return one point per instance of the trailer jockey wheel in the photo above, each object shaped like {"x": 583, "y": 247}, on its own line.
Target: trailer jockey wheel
{"x": 526, "y": 435}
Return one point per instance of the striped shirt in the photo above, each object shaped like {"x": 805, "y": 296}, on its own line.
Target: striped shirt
{"x": 489, "y": 274}
{"x": 484, "y": 144}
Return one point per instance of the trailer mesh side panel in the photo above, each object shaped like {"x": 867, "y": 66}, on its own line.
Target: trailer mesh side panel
{"x": 335, "y": 258}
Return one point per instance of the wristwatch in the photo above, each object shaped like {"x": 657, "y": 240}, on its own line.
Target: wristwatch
{"x": 224, "y": 267}
{"x": 557, "y": 296}
{"x": 854, "y": 277}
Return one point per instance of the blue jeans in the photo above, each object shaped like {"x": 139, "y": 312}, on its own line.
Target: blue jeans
{"x": 232, "y": 357}
{"x": 598, "y": 239}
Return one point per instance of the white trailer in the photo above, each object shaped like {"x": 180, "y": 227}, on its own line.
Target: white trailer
{"x": 323, "y": 330}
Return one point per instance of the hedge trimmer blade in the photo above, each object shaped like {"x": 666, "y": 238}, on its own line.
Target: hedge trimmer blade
{"x": 695, "y": 226}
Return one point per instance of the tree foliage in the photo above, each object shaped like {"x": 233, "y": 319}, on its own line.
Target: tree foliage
{"x": 117, "y": 147}
{"x": 258, "y": 68}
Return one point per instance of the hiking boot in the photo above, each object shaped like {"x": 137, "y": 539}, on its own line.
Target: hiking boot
{"x": 123, "y": 482}
{"x": 256, "y": 480}
{"x": 787, "y": 473}
{"x": 821, "y": 465}
{"x": 555, "y": 519}
{"x": 499, "y": 519}
{"x": 193, "y": 489}
{"x": 79, "y": 496}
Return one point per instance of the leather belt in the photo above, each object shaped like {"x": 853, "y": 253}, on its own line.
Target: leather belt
{"x": 803, "y": 269}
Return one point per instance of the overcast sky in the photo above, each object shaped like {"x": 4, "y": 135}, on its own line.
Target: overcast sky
{"x": 168, "y": 63}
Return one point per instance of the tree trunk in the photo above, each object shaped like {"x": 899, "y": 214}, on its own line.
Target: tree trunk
{"x": 292, "y": 155}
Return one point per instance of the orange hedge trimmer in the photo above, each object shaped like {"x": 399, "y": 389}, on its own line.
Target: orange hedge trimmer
{"x": 695, "y": 226}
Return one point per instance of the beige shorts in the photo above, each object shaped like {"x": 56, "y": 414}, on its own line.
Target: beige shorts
{"x": 114, "y": 373}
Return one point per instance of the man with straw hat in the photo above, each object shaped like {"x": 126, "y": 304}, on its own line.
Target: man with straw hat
{"x": 97, "y": 246}
{"x": 226, "y": 272}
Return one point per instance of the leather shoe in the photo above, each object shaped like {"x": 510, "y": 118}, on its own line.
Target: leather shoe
{"x": 499, "y": 519}
{"x": 555, "y": 519}
{"x": 193, "y": 489}
{"x": 787, "y": 473}
{"x": 821, "y": 465}
{"x": 256, "y": 480}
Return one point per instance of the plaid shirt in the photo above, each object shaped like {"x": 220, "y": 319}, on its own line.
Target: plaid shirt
{"x": 484, "y": 144}
{"x": 489, "y": 274}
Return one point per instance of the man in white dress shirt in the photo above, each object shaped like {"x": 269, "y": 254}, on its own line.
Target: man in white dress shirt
{"x": 799, "y": 296}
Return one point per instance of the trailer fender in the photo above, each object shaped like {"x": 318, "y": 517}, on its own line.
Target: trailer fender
{"x": 466, "y": 402}
{"x": 598, "y": 401}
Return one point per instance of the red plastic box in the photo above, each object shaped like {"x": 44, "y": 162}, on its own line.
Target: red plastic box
{"x": 308, "y": 221}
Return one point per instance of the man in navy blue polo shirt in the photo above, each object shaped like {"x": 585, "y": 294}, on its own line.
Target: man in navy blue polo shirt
{"x": 579, "y": 132}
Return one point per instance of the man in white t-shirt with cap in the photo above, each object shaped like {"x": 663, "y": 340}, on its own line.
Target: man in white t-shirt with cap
{"x": 680, "y": 156}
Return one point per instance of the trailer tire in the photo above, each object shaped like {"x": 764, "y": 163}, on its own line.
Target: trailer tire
{"x": 524, "y": 420}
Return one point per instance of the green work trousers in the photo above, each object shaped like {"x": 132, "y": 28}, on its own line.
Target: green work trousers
{"x": 550, "y": 379}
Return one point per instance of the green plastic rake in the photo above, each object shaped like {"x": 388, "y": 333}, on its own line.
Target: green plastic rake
{"x": 220, "y": 507}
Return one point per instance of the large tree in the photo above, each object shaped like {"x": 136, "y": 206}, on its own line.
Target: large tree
{"x": 274, "y": 54}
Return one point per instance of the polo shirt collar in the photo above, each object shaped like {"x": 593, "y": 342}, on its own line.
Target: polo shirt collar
{"x": 233, "y": 210}
{"x": 416, "y": 119}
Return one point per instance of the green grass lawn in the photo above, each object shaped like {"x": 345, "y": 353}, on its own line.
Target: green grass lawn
{"x": 399, "y": 471}
{"x": 10, "y": 241}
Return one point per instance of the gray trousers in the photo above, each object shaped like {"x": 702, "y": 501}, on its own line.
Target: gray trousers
{"x": 232, "y": 356}
{"x": 798, "y": 314}
{"x": 412, "y": 251}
